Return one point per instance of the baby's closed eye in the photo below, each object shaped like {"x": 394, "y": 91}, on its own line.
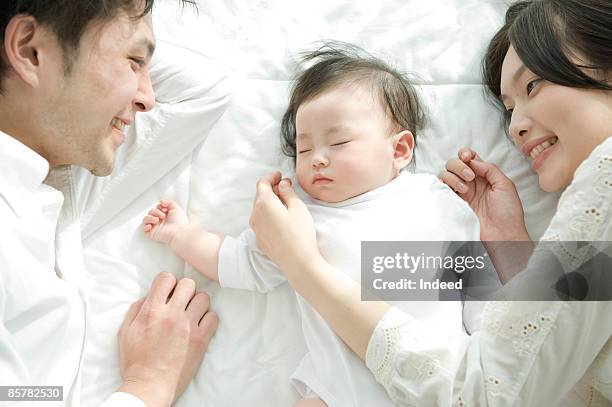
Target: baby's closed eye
{"x": 341, "y": 143}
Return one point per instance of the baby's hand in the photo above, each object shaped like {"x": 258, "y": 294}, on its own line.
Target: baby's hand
{"x": 164, "y": 221}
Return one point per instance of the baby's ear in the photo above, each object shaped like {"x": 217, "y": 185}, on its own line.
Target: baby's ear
{"x": 404, "y": 146}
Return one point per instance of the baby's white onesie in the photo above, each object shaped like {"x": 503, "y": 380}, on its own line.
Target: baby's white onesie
{"x": 412, "y": 207}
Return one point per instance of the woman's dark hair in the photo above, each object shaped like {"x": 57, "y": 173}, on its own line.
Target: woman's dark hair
{"x": 68, "y": 19}
{"x": 336, "y": 63}
{"x": 567, "y": 42}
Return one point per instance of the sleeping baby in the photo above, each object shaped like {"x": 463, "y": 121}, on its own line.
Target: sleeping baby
{"x": 350, "y": 128}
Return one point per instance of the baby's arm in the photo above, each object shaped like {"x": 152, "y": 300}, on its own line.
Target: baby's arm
{"x": 168, "y": 223}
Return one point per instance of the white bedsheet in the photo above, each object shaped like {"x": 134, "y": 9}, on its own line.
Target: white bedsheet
{"x": 258, "y": 343}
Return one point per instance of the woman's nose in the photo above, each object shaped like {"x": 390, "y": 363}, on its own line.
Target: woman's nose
{"x": 520, "y": 125}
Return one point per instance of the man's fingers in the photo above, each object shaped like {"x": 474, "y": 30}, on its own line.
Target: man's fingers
{"x": 208, "y": 326}
{"x": 460, "y": 169}
{"x": 454, "y": 182}
{"x": 197, "y": 308}
{"x": 183, "y": 293}
{"x": 131, "y": 315}
{"x": 162, "y": 286}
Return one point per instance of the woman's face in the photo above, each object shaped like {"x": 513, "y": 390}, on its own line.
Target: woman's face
{"x": 556, "y": 127}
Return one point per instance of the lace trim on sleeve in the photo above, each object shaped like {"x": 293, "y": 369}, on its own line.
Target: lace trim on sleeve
{"x": 382, "y": 346}
{"x": 584, "y": 207}
{"x": 415, "y": 370}
{"x": 584, "y": 211}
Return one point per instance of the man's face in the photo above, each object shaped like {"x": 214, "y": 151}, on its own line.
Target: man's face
{"x": 107, "y": 85}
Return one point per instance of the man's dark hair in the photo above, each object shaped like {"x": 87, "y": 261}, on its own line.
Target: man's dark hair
{"x": 336, "y": 63}
{"x": 565, "y": 42}
{"x": 68, "y": 19}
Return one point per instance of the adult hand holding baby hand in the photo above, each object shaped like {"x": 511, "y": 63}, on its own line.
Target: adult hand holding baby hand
{"x": 164, "y": 221}
{"x": 490, "y": 193}
{"x": 283, "y": 226}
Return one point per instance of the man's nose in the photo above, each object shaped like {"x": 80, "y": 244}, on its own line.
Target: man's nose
{"x": 145, "y": 97}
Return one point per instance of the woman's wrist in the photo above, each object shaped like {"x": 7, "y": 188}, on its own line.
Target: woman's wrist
{"x": 299, "y": 265}
{"x": 509, "y": 257}
{"x": 505, "y": 233}
{"x": 519, "y": 235}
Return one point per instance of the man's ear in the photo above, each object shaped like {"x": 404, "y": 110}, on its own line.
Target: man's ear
{"x": 403, "y": 143}
{"x": 20, "y": 48}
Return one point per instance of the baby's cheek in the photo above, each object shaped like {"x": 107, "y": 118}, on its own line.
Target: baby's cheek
{"x": 302, "y": 177}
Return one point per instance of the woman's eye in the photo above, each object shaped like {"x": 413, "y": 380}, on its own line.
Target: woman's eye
{"x": 341, "y": 143}
{"x": 531, "y": 85}
{"x": 303, "y": 151}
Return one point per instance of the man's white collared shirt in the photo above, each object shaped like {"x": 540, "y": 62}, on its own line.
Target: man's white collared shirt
{"x": 42, "y": 307}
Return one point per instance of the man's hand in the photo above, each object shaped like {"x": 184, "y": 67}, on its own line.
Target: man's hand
{"x": 164, "y": 221}
{"x": 163, "y": 339}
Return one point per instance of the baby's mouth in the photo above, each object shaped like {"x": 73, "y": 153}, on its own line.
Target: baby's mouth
{"x": 321, "y": 180}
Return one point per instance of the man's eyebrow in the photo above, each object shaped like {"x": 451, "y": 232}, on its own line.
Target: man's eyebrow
{"x": 147, "y": 44}
{"x": 515, "y": 77}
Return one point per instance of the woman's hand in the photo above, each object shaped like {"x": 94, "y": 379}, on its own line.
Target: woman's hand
{"x": 286, "y": 234}
{"x": 283, "y": 226}
{"x": 490, "y": 193}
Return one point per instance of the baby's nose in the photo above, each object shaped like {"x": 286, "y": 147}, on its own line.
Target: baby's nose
{"x": 319, "y": 161}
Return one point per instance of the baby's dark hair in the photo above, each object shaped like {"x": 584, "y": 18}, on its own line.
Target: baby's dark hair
{"x": 336, "y": 63}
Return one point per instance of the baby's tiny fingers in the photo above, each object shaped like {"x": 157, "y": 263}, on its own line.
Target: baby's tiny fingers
{"x": 167, "y": 203}
{"x": 152, "y": 220}
{"x": 158, "y": 213}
